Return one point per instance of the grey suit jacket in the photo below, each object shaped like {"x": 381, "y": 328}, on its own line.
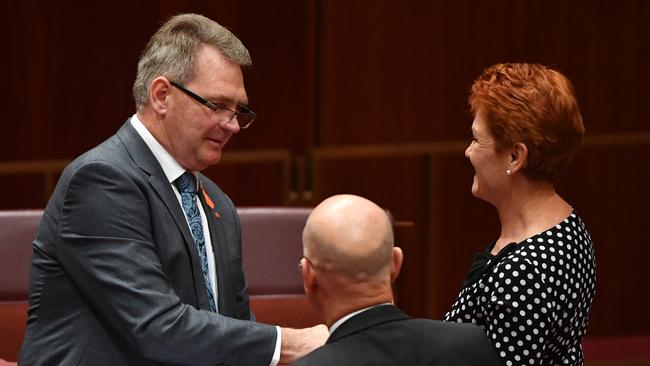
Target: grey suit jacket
{"x": 384, "y": 335}
{"x": 115, "y": 276}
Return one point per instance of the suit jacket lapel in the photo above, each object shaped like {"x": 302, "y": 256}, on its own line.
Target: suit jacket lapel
{"x": 144, "y": 158}
{"x": 367, "y": 319}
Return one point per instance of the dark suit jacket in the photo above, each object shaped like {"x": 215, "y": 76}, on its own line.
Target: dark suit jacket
{"x": 115, "y": 276}
{"x": 384, "y": 335}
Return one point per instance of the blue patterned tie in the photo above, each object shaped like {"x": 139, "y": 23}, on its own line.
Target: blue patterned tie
{"x": 186, "y": 185}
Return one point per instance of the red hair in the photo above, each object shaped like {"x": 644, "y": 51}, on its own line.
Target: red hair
{"x": 535, "y": 105}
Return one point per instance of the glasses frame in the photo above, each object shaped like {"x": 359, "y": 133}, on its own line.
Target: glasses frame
{"x": 214, "y": 108}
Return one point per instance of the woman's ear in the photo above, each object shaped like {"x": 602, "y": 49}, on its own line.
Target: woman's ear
{"x": 518, "y": 157}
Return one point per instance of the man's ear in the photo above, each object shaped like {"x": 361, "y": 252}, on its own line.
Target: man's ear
{"x": 158, "y": 93}
{"x": 518, "y": 157}
{"x": 309, "y": 281}
{"x": 396, "y": 264}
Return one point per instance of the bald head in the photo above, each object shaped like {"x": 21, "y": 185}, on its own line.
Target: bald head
{"x": 349, "y": 236}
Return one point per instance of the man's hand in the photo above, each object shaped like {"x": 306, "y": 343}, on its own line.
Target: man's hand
{"x": 298, "y": 342}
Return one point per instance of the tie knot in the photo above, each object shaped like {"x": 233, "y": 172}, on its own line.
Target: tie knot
{"x": 186, "y": 183}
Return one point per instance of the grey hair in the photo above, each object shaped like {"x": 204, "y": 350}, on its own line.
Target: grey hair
{"x": 172, "y": 49}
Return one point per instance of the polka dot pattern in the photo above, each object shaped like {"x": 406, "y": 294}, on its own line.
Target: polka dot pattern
{"x": 533, "y": 299}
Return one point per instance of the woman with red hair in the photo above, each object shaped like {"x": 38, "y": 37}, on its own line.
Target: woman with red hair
{"x": 531, "y": 290}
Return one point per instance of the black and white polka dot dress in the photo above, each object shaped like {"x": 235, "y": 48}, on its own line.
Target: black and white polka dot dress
{"x": 533, "y": 298}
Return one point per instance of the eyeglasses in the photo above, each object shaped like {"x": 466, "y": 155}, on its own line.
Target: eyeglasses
{"x": 245, "y": 115}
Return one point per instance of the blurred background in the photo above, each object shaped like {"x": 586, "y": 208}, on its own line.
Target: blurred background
{"x": 363, "y": 97}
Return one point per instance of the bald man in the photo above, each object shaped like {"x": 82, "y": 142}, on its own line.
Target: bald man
{"x": 349, "y": 264}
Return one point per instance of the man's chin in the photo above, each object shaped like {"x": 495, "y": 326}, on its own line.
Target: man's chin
{"x": 213, "y": 159}
{"x": 201, "y": 164}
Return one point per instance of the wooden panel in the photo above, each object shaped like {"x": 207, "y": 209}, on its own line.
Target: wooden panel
{"x": 617, "y": 350}
{"x": 27, "y": 190}
{"x": 609, "y": 188}
{"x": 73, "y": 66}
{"x": 255, "y": 178}
{"x": 400, "y": 72}
{"x": 28, "y": 184}
{"x": 70, "y": 89}
{"x": 459, "y": 226}
{"x": 255, "y": 184}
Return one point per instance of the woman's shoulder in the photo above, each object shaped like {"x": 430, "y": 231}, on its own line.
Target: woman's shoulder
{"x": 562, "y": 249}
{"x": 567, "y": 237}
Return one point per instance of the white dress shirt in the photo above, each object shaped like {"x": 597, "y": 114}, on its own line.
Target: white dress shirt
{"x": 173, "y": 170}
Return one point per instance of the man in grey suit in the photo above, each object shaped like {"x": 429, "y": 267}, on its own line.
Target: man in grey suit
{"x": 348, "y": 267}
{"x": 137, "y": 260}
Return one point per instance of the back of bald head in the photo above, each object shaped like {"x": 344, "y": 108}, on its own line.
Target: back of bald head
{"x": 349, "y": 236}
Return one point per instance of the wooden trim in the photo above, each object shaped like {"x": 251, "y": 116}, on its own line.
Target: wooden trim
{"x": 50, "y": 169}
{"x": 623, "y": 139}
{"x": 342, "y": 152}
{"x": 330, "y": 152}
{"x": 458, "y": 146}
{"x": 281, "y": 156}
{"x": 32, "y": 166}
{"x": 256, "y": 156}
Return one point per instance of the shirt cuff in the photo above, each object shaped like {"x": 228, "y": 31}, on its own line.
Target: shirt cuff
{"x": 278, "y": 347}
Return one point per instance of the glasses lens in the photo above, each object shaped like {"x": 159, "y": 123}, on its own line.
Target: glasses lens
{"x": 245, "y": 117}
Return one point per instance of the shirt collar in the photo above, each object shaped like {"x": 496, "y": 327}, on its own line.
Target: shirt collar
{"x": 345, "y": 318}
{"x": 169, "y": 165}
